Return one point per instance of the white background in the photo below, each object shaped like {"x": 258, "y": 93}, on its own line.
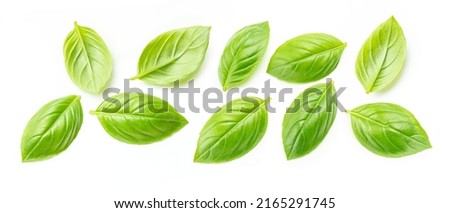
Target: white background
{"x": 96, "y": 169}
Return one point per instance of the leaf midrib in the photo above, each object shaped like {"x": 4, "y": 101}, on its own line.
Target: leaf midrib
{"x": 309, "y": 116}
{"x": 133, "y": 115}
{"x": 53, "y": 123}
{"x": 233, "y": 61}
{"x": 85, "y": 53}
{"x": 383, "y": 125}
{"x": 142, "y": 74}
{"x": 343, "y": 45}
{"x": 383, "y": 61}
{"x": 232, "y": 128}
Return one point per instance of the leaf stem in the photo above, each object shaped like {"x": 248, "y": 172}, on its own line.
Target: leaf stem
{"x": 135, "y": 77}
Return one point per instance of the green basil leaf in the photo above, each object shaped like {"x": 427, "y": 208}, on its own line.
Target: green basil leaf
{"x": 306, "y": 58}
{"x": 137, "y": 118}
{"x": 308, "y": 120}
{"x": 232, "y": 131}
{"x": 242, "y": 54}
{"x": 52, "y": 129}
{"x": 173, "y": 56}
{"x": 88, "y": 60}
{"x": 382, "y": 56}
{"x": 388, "y": 130}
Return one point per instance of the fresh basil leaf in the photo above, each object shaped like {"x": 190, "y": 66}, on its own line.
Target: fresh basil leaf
{"x": 136, "y": 118}
{"x": 388, "y": 130}
{"x": 242, "y": 54}
{"x": 308, "y": 120}
{"x": 232, "y": 131}
{"x": 382, "y": 56}
{"x": 306, "y": 58}
{"x": 88, "y": 60}
{"x": 52, "y": 129}
{"x": 173, "y": 56}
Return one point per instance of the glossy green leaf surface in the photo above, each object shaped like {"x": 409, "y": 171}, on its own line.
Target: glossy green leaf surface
{"x": 52, "y": 129}
{"x": 138, "y": 118}
{"x": 382, "y": 56}
{"x": 388, "y": 130}
{"x": 242, "y": 54}
{"x": 306, "y": 58}
{"x": 308, "y": 120}
{"x": 88, "y": 60}
{"x": 232, "y": 131}
{"x": 173, "y": 56}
